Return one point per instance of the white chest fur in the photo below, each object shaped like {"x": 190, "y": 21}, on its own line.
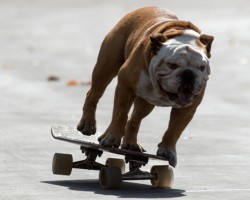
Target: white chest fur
{"x": 148, "y": 92}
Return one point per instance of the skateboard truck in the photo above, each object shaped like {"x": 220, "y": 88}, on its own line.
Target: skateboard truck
{"x": 135, "y": 163}
{"x": 90, "y": 161}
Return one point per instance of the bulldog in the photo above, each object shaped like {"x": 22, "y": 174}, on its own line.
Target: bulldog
{"x": 160, "y": 61}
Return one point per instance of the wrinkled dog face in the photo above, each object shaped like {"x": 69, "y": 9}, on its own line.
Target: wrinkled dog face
{"x": 180, "y": 69}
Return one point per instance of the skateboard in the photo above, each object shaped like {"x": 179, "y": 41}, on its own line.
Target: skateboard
{"x": 112, "y": 173}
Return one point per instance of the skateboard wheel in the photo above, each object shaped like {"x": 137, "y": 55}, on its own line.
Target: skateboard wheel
{"x": 115, "y": 162}
{"x": 164, "y": 176}
{"x": 110, "y": 177}
{"x": 62, "y": 164}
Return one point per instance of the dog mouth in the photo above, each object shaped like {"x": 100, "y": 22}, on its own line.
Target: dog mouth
{"x": 181, "y": 97}
{"x": 172, "y": 96}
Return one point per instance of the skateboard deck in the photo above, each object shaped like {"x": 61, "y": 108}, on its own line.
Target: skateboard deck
{"x": 112, "y": 173}
{"x": 72, "y": 135}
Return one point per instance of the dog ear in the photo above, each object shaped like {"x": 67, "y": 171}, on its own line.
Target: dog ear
{"x": 207, "y": 40}
{"x": 156, "y": 42}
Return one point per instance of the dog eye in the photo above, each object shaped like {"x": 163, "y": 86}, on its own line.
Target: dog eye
{"x": 172, "y": 66}
{"x": 202, "y": 67}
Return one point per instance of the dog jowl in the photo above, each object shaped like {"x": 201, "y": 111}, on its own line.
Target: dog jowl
{"x": 160, "y": 61}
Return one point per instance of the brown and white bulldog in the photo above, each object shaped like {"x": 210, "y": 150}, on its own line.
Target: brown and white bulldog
{"x": 160, "y": 61}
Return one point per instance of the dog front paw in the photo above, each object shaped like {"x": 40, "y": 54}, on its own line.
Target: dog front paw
{"x": 87, "y": 127}
{"x": 168, "y": 153}
{"x": 108, "y": 140}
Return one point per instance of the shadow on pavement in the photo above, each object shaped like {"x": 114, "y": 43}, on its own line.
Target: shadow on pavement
{"x": 128, "y": 189}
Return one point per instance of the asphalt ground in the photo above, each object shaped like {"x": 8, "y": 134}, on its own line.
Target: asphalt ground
{"x": 47, "y": 52}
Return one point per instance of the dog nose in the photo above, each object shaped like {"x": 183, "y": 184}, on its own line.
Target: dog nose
{"x": 187, "y": 80}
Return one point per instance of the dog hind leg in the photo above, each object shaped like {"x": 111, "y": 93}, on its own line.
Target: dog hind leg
{"x": 141, "y": 109}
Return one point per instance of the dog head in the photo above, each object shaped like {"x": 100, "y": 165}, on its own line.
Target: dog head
{"x": 179, "y": 67}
